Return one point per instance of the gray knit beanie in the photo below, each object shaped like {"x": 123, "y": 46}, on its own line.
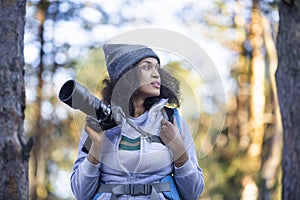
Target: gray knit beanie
{"x": 122, "y": 57}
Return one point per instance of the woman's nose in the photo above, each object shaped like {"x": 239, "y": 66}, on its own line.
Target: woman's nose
{"x": 155, "y": 73}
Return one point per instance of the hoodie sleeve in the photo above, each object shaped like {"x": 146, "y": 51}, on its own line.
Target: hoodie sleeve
{"x": 85, "y": 175}
{"x": 189, "y": 177}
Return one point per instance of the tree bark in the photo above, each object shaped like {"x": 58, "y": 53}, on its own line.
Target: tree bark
{"x": 14, "y": 149}
{"x": 288, "y": 84}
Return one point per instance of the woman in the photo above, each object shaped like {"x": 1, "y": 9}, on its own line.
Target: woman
{"x": 149, "y": 154}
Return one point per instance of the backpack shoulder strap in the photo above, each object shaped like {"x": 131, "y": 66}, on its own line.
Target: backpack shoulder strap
{"x": 173, "y": 112}
{"x": 170, "y": 113}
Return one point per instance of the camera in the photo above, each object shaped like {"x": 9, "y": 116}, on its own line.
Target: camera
{"x": 78, "y": 97}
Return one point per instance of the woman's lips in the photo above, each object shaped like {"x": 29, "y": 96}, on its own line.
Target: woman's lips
{"x": 156, "y": 84}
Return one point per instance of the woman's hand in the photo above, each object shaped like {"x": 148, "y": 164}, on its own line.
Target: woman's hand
{"x": 97, "y": 136}
{"x": 171, "y": 137}
{"x": 94, "y": 130}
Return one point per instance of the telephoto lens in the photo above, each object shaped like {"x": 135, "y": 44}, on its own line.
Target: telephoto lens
{"x": 78, "y": 97}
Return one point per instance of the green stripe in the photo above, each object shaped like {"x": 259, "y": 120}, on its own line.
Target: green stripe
{"x": 124, "y": 138}
{"x": 130, "y": 148}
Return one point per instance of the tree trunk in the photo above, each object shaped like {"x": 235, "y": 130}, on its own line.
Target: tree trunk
{"x": 271, "y": 156}
{"x": 257, "y": 103}
{"x": 39, "y": 156}
{"x": 14, "y": 149}
{"x": 288, "y": 84}
{"x": 257, "y": 87}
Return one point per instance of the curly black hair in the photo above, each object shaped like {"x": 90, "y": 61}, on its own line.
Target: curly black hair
{"x": 120, "y": 92}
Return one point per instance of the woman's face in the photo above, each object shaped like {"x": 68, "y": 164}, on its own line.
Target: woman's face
{"x": 149, "y": 77}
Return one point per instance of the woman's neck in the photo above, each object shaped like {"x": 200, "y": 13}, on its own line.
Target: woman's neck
{"x": 139, "y": 107}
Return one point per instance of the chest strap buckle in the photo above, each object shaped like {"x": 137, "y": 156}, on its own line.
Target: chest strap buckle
{"x": 139, "y": 189}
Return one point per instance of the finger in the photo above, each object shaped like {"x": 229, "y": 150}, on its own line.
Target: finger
{"x": 87, "y": 117}
{"x": 93, "y": 124}
{"x": 89, "y": 130}
{"x": 175, "y": 122}
{"x": 94, "y": 130}
{"x": 163, "y": 121}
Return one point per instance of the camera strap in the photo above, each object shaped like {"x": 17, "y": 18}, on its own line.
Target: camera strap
{"x": 137, "y": 128}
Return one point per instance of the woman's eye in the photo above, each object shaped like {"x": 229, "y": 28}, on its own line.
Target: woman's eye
{"x": 146, "y": 67}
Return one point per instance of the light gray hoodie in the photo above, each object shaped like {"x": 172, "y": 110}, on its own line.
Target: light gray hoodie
{"x": 148, "y": 165}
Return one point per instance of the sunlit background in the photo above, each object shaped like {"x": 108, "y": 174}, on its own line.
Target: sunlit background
{"x": 62, "y": 41}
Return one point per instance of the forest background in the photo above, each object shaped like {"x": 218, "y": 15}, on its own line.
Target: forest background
{"x": 242, "y": 161}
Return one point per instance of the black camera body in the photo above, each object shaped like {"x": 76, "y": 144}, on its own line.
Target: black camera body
{"x": 78, "y": 97}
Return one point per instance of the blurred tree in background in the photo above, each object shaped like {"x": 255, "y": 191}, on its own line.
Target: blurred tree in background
{"x": 245, "y": 161}
{"x": 246, "y": 158}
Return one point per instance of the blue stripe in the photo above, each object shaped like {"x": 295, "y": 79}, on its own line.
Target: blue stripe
{"x": 176, "y": 115}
